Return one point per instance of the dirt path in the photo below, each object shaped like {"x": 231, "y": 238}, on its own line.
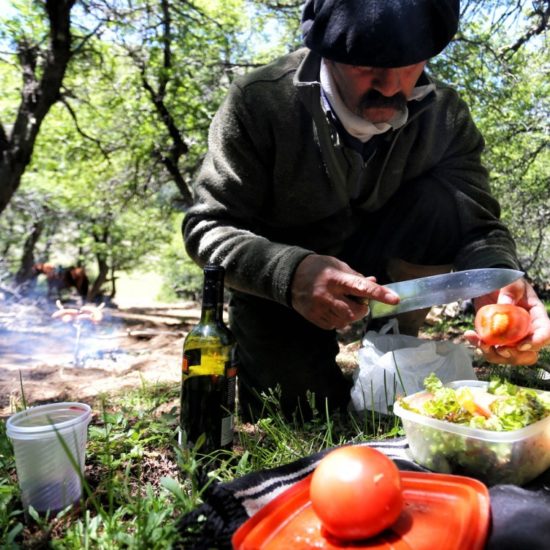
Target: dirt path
{"x": 129, "y": 347}
{"x": 132, "y": 345}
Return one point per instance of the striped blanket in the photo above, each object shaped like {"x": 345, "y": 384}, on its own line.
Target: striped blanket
{"x": 520, "y": 517}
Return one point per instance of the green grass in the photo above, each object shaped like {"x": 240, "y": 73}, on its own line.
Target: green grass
{"x": 531, "y": 377}
{"x": 138, "y": 482}
{"x": 129, "y": 500}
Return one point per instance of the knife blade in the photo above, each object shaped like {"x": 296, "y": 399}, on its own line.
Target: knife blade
{"x": 443, "y": 289}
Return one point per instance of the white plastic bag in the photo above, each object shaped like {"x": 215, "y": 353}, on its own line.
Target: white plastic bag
{"x": 392, "y": 365}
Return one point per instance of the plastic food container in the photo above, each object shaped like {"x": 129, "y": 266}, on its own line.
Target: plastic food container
{"x": 515, "y": 457}
{"x": 452, "y": 510}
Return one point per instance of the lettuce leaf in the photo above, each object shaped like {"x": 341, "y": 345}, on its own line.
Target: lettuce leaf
{"x": 512, "y": 408}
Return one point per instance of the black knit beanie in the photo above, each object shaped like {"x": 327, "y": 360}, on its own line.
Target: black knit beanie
{"x": 379, "y": 33}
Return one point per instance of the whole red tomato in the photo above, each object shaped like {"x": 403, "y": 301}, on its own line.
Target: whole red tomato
{"x": 502, "y": 324}
{"x": 356, "y": 492}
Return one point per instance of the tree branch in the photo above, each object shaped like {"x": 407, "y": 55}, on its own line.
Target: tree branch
{"x": 84, "y": 40}
{"x": 538, "y": 28}
{"x": 4, "y": 143}
{"x": 178, "y": 147}
{"x": 167, "y": 52}
{"x": 40, "y": 92}
{"x": 171, "y": 165}
{"x": 73, "y": 115}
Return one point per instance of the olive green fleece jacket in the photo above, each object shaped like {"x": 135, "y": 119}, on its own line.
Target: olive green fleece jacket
{"x": 277, "y": 184}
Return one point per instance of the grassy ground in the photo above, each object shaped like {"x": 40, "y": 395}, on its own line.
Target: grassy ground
{"x": 138, "y": 482}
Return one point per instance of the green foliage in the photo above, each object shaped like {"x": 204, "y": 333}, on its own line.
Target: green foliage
{"x": 11, "y": 85}
{"x": 129, "y": 502}
{"x": 276, "y": 28}
{"x": 182, "y": 277}
{"x": 108, "y": 163}
{"x": 10, "y": 511}
{"x": 501, "y": 69}
{"x": 100, "y": 177}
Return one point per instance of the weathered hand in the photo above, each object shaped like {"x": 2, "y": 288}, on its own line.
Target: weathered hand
{"x": 327, "y": 292}
{"x": 526, "y": 351}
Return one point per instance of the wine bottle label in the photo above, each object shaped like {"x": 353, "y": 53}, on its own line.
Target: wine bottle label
{"x": 227, "y": 430}
{"x": 191, "y": 357}
{"x": 230, "y": 391}
{"x": 195, "y": 363}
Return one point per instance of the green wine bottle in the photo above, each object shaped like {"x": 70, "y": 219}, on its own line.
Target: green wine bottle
{"x": 209, "y": 372}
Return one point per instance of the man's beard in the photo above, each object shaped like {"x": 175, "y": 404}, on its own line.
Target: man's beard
{"x": 373, "y": 99}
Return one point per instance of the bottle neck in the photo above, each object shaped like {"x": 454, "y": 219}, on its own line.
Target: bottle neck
{"x": 212, "y": 295}
{"x": 209, "y": 315}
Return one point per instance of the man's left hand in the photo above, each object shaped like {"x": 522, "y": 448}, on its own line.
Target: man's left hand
{"x": 525, "y": 352}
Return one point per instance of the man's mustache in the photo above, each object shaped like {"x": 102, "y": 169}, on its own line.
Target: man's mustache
{"x": 373, "y": 99}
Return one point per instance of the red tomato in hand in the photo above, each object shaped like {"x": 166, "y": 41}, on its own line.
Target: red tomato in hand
{"x": 356, "y": 492}
{"x": 502, "y": 324}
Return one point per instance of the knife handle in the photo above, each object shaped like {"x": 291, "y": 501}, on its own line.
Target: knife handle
{"x": 365, "y": 302}
{"x": 358, "y": 299}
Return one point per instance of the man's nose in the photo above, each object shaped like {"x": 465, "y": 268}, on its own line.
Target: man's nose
{"x": 387, "y": 81}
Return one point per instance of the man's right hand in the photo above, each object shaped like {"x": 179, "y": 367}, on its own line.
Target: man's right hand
{"x": 328, "y": 293}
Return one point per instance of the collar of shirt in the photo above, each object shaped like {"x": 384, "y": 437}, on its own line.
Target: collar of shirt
{"x": 355, "y": 125}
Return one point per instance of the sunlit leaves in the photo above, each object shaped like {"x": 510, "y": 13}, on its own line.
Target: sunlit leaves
{"x": 500, "y": 66}
{"x": 100, "y": 160}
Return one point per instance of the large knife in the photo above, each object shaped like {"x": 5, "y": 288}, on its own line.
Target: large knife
{"x": 444, "y": 289}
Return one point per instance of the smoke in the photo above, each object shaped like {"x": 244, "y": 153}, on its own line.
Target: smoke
{"x": 29, "y": 336}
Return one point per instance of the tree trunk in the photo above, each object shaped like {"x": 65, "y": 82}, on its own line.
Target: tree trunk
{"x": 113, "y": 283}
{"x": 102, "y": 265}
{"x": 40, "y": 90}
{"x": 25, "y": 272}
{"x": 157, "y": 95}
{"x": 101, "y": 279}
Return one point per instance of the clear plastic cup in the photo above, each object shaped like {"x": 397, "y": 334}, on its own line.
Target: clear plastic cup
{"x": 50, "y": 472}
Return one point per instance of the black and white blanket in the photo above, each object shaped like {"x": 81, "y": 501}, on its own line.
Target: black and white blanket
{"x": 520, "y": 517}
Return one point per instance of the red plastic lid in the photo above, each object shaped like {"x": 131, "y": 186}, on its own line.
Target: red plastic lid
{"x": 441, "y": 511}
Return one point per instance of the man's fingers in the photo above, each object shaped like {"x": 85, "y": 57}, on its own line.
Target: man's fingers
{"x": 328, "y": 292}
{"x": 383, "y": 294}
{"x": 511, "y": 356}
{"x": 503, "y": 355}
{"x": 363, "y": 289}
{"x": 347, "y": 310}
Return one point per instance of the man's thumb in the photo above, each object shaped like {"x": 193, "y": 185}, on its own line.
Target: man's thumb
{"x": 512, "y": 293}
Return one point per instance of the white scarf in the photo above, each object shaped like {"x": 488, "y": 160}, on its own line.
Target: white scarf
{"x": 355, "y": 125}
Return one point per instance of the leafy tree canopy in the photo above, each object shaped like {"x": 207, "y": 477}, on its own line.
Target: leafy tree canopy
{"x": 111, "y": 162}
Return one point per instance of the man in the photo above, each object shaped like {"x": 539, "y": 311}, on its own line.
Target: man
{"x": 332, "y": 171}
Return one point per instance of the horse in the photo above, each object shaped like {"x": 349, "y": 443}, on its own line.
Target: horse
{"x": 60, "y": 278}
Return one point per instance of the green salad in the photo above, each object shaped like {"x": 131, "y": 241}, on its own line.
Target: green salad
{"x": 501, "y": 407}
{"x": 455, "y": 443}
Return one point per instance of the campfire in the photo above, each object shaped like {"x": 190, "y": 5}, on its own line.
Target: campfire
{"x": 84, "y": 351}
{"x": 79, "y": 318}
